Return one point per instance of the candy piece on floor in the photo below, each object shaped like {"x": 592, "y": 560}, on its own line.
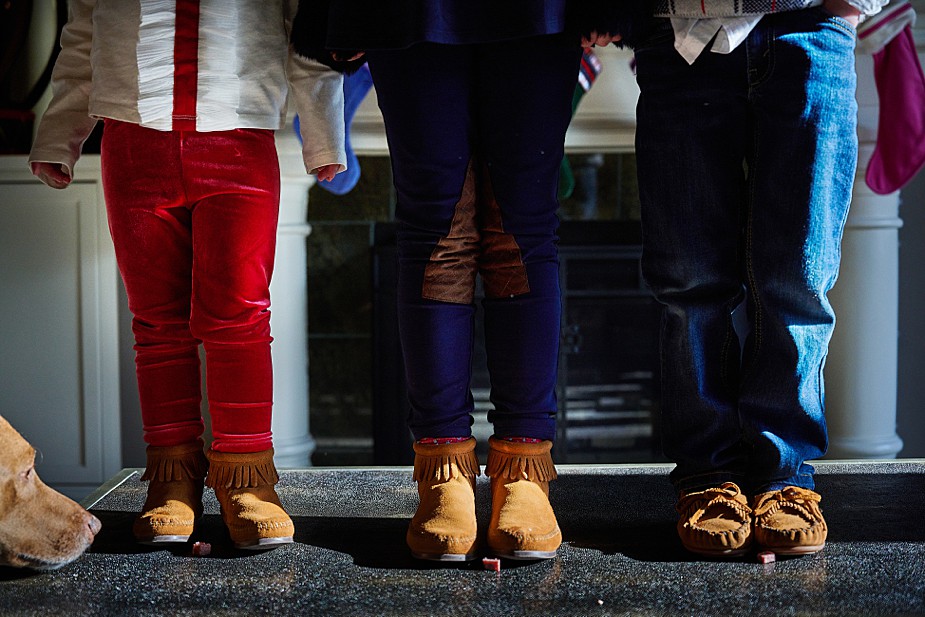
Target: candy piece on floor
{"x": 201, "y": 549}
{"x": 766, "y": 557}
{"x": 490, "y": 563}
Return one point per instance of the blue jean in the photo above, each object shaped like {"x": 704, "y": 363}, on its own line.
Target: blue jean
{"x": 476, "y": 136}
{"x": 746, "y": 165}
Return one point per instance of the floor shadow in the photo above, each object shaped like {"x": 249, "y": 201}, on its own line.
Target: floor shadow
{"x": 8, "y": 573}
{"x": 116, "y": 538}
{"x": 630, "y": 514}
{"x": 657, "y": 542}
{"x": 379, "y": 543}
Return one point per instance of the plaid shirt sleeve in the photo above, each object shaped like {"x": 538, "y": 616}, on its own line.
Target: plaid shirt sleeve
{"x": 736, "y": 8}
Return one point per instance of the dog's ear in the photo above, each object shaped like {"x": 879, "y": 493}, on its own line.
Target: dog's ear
{"x": 17, "y": 475}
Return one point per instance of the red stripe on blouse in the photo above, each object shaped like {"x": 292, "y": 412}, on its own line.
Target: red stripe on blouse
{"x": 185, "y": 65}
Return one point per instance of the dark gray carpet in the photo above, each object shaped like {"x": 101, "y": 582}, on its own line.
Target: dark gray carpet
{"x": 621, "y": 556}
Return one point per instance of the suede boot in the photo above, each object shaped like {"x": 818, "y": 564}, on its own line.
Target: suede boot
{"x": 444, "y": 527}
{"x": 251, "y": 510}
{"x": 522, "y": 525}
{"x": 174, "y": 501}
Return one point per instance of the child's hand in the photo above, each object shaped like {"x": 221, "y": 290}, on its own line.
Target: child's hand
{"x": 842, "y": 9}
{"x": 601, "y": 40}
{"x": 52, "y": 174}
{"x": 326, "y": 173}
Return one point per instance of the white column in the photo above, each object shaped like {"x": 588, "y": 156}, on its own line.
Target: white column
{"x": 292, "y": 440}
{"x": 862, "y": 363}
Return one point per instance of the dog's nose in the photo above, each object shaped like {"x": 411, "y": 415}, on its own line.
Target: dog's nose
{"x": 94, "y": 524}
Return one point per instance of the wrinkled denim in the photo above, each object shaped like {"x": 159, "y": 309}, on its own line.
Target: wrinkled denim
{"x": 746, "y": 166}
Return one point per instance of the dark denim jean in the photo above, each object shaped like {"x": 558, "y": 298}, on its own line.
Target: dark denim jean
{"x": 746, "y": 166}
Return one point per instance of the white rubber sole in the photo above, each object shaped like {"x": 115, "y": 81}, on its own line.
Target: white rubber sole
{"x": 527, "y": 555}
{"x": 263, "y": 544}
{"x": 158, "y": 540}
{"x": 797, "y": 550}
{"x": 445, "y": 557}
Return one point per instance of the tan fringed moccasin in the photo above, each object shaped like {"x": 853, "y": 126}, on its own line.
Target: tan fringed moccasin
{"x": 244, "y": 486}
{"x": 716, "y": 522}
{"x": 789, "y": 521}
{"x": 174, "y": 499}
{"x": 523, "y": 524}
{"x": 444, "y": 526}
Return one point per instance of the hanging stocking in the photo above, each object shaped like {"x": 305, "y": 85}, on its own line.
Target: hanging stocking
{"x": 587, "y": 72}
{"x": 900, "y": 150}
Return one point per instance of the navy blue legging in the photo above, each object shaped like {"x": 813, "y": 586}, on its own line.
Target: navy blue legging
{"x": 476, "y": 136}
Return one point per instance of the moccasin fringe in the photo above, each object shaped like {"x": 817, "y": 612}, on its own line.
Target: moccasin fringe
{"x": 513, "y": 461}
{"x": 233, "y": 470}
{"x": 175, "y": 463}
{"x": 445, "y": 465}
{"x": 728, "y": 495}
{"x": 800, "y": 499}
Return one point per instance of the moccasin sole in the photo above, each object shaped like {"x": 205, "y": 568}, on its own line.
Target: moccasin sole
{"x": 527, "y": 555}
{"x": 445, "y": 557}
{"x": 263, "y": 544}
{"x": 158, "y": 540}
{"x": 795, "y": 550}
{"x": 720, "y": 554}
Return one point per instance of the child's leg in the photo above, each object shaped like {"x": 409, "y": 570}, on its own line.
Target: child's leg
{"x": 425, "y": 96}
{"x": 150, "y": 225}
{"x": 524, "y": 106}
{"x": 151, "y": 229}
{"x": 801, "y": 175}
{"x": 691, "y": 140}
{"x": 424, "y": 93}
{"x": 524, "y": 99}
{"x": 232, "y": 180}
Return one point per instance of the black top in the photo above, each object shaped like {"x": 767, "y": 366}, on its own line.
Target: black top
{"x": 391, "y": 24}
{"x": 322, "y": 26}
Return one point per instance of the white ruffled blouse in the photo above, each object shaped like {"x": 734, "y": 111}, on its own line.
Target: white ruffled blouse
{"x": 117, "y": 61}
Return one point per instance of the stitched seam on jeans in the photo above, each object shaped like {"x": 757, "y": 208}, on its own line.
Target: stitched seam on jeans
{"x": 838, "y": 21}
{"x": 845, "y": 27}
{"x": 749, "y": 266}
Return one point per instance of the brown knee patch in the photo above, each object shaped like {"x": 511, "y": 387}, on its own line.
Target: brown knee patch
{"x": 501, "y": 264}
{"x": 450, "y": 274}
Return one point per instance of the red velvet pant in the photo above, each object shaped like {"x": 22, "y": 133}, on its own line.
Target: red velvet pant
{"x": 193, "y": 219}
